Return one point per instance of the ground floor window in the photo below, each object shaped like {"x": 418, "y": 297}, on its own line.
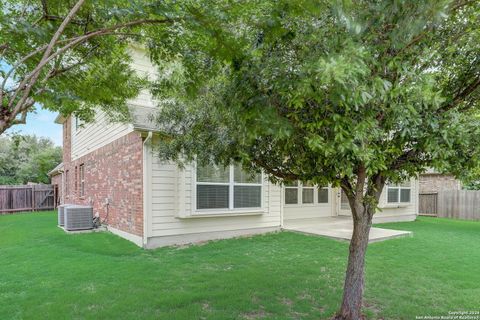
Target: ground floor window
{"x": 291, "y": 193}
{"x": 82, "y": 179}
{"x": 323, "y": 195}
{"x": 67, "y": 182}
{"x": 399, "y": 193}
{"x": 227, "y": 188}
{"x": 305, "y": 193}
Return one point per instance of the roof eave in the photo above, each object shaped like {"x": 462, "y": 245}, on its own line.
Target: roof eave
{"x": 59, "y": 119}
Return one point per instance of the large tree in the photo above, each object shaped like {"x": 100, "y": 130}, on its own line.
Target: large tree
{"x": 70, "y": 55}
{"x": 353, "y": 94}
{"x": 27, "y": 158}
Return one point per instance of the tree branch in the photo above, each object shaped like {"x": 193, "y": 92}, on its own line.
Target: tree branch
{"x": 360, "y": 185}
{"x": 45, "y": 8}
{"x": 22, "y": 120}
{"x": 275, "y": 171}
{"x": 33, "y": 76}
{"x": 46, "y": 57}
{"x": 462, "y": 95}
{"x": 58, "y": 18}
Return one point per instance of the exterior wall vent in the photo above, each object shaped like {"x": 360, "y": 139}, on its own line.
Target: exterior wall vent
{"x": 78, "y": 217}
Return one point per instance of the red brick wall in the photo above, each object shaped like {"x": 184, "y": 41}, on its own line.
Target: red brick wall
{"x": 437, "y": 182}
{"x": 67, "y": 141}
{"x": 57, "y": 179}
{"x": 113, "y": 172}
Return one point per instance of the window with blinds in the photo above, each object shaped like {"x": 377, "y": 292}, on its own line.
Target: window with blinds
{"x": 247, "y": 189}
{"x": 82, "y": 180}
{"x": 291, "y": 193}
{"x": 227, "y": 188}
{"x": 399, "y": 193}
{"x": 304, "y": 193}
{"x": 322, "y": 195}
{"x": 308, "y": 192}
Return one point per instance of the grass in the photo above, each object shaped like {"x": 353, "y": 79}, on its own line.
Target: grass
{"x": 45, "y": 273}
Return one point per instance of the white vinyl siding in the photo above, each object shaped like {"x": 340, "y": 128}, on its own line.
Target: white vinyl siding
{"x": 87, "y": 137}
{"x": 173, "y": 205}
{"x": 91, "y": 136}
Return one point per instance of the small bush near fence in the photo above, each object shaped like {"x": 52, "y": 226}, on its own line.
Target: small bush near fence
{"x": 27, "y": 198}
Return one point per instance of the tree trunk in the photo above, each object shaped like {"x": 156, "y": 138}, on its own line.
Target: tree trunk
{"x": 354, "y": 279}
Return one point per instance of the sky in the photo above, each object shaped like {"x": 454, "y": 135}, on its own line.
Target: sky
{"x": 41, "y": 123}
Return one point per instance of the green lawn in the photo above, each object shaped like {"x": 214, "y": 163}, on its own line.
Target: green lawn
{"x": 45, "y": 273}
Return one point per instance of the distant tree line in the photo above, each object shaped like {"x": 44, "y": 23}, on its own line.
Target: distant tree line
{"x": 27, "y": 158}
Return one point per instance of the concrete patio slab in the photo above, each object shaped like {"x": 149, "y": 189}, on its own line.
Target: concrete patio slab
{"x": 340, "y": 228}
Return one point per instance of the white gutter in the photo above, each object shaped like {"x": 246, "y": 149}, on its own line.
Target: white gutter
{"x": 146, "y": 188}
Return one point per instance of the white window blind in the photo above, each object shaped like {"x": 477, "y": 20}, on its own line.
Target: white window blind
{"x": 322, "y": 195}
{"x": 227, "y": 188}
{"x": 304, "y": 193}
{"x": 291, "y": 192}
{"x": 399, "y": 193}
{"x": 307, "y": 193}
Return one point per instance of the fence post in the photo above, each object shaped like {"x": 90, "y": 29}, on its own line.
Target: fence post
{"x": 33, "y": 198}
{"x": 54, "y": 197}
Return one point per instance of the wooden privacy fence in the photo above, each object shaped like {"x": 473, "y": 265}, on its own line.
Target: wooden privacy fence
{"x": 27, "y": 198}
{"x": 459, "y": 204}
{"x": 427, "y": 203}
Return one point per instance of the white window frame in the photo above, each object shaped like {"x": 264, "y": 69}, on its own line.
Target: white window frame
{"x": 400, "y": 188}
{"x": 317, "y": 188}
{"x": 299, "y": 199}
{"x": 81, "y": 173}
{"x": 300, "y": 203}
{"x": 78, "y": 124}
{"x": 231, "y": 184}
{"x": 313, "y": 188}
{"x": 67, "y": 183}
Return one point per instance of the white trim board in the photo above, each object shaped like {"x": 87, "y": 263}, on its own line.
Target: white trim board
{"x": 127, "y": 236}
{"x": 195, "y": 238}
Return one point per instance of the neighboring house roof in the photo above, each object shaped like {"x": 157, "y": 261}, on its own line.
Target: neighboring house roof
{"x": 57, "y": 170}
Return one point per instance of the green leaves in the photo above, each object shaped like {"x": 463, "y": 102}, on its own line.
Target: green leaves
{"x": 316, "y": 94}
{"x": 27, "y": 159}
{"x": 89, "y": 66}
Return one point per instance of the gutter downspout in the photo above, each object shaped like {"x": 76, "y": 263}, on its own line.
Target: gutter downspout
{"x": 146, "y": 190}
